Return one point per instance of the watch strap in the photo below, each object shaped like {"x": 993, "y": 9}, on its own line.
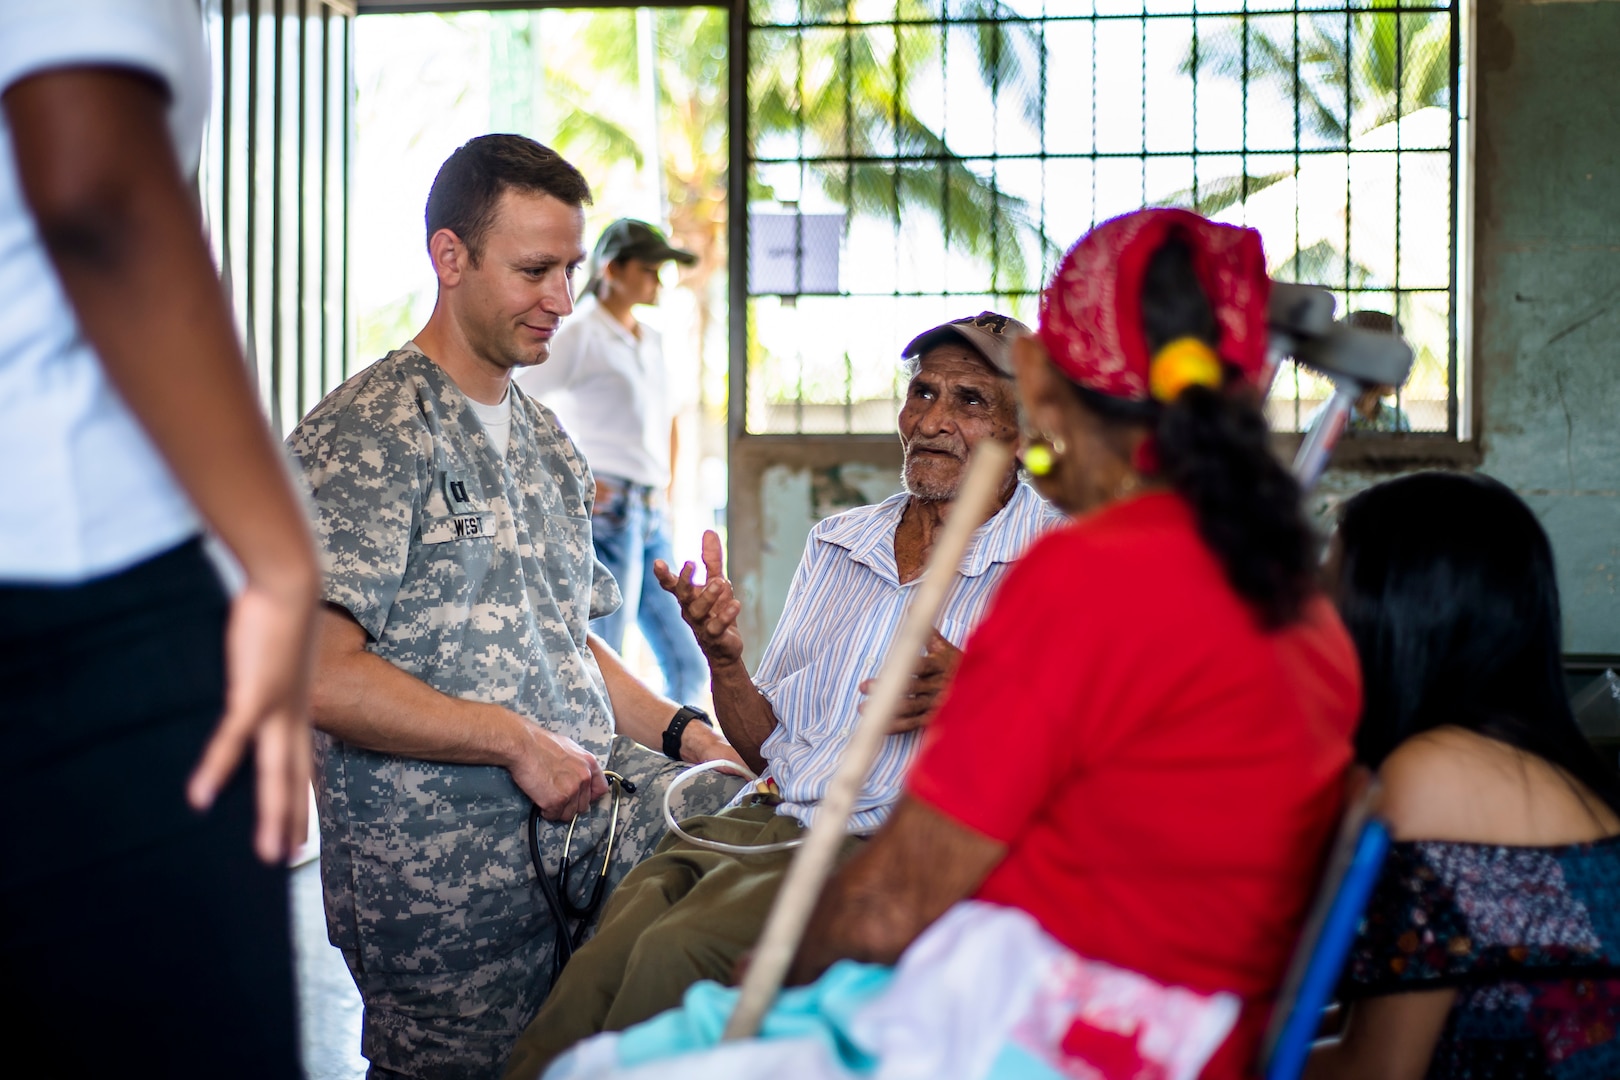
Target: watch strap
{"x": 677, "y": 727}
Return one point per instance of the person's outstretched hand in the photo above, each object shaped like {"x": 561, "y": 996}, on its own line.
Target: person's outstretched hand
{"x": 267, "y": 668}
{"x": 710, "y": 609}
{"x": 928, "y": 682}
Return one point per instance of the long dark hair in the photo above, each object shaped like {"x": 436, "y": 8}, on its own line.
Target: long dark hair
{"x": 1214, "y": 448}
{"x": 1446, "y": 584}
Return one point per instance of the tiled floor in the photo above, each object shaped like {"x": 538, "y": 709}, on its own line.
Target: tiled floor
{"x": 329, "y": 1005}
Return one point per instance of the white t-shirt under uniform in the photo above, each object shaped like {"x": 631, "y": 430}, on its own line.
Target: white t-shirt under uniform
{"x": 90, "y": 495}
{"x": 610, "y": 391}
{"x": 497, "y": 421}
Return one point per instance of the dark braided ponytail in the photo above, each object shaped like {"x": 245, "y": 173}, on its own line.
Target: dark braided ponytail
{"x": 1213, "y": 448}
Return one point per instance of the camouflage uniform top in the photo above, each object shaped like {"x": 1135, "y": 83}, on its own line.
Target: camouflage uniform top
{"x": 477, "y": 576}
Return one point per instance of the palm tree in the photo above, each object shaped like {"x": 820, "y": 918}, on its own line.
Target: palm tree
{"x": 850, "y": 92}
{"x": 1353, "y": 74}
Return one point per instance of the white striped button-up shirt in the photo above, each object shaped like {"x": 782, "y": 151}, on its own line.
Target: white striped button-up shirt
{"x": 843, "y": 609}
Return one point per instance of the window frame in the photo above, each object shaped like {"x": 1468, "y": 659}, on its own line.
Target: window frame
{"x": 1364, "y": 451}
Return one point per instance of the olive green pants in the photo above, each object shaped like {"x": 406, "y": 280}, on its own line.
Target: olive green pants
{"x": 685, "y": 914}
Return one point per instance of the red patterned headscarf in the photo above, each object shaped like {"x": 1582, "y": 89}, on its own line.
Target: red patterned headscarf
{"x": 1091, "y": 312}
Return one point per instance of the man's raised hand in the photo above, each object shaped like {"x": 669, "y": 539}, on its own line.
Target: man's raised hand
{"x": 710, "y": 609}
{"x": 928, "y": 682}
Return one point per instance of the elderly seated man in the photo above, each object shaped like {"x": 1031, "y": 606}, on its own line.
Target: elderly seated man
{"x": 689, "y": 912}
{"x": 1110, "y": 836}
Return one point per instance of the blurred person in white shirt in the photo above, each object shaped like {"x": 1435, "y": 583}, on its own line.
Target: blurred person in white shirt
{"x": 606, "y": 380}
{"x": 132, "y": 685}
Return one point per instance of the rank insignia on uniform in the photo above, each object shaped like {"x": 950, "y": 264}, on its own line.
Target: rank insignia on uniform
{"x": 457, "y": 495}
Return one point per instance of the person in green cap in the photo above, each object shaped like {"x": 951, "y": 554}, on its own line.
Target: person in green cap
{"x": 606, "y": 382}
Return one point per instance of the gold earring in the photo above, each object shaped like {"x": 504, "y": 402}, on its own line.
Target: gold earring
{"x": 1042, "y": 455}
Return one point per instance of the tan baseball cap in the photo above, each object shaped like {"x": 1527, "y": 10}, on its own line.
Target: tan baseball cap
{"x": 988, "y": 333}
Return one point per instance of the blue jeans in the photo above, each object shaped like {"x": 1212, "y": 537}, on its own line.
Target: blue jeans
{"x": 630, "y": 531}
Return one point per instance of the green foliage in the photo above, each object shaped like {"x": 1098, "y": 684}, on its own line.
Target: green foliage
{"x": 851, "y": 94}
{"x": 1010, "y": 55}
{"x": 1389, "y": 65}
{"x": 1351, "y": 76}
{"x": 1216, "y": 195}
{"x": 843, "y": 93}
{"x": 520, "y": 69}
{"x": 1323, "y": 261}
{"x": 580, "y": 132}
{"x": 383, "y": 329}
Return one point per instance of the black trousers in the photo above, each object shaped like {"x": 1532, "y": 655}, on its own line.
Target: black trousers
{"x": 137, "y": 937}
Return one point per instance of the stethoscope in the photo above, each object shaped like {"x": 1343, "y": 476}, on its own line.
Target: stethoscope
{"x": 556, "y": 893}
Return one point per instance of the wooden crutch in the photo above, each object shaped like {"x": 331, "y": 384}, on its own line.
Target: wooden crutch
{"x": 813, "y": 862}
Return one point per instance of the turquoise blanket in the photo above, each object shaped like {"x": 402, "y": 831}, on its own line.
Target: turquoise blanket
{"x": 822, "y": 1010}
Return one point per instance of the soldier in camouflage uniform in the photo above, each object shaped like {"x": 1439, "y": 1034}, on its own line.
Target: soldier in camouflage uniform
{"x": 456, "y": 686}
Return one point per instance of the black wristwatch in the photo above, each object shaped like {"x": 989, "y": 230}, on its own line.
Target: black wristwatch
{"x": 677, "y": 727}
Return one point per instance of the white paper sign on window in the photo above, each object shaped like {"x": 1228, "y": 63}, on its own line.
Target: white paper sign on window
{"x": 793, "y": 254}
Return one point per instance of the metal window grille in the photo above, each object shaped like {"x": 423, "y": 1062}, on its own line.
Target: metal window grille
{"x": 961, "y": 145}
{"x": 275, "y": 189}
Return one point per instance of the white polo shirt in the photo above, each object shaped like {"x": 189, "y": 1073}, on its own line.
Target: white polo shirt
{"x": 611, "y": 393}
{"x": 89, "y": 493}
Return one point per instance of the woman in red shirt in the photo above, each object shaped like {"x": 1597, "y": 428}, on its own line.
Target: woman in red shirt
{"x": 1145, "y": 742}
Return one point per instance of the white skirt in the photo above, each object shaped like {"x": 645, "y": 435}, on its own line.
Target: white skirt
{"x": 983, "y": 994}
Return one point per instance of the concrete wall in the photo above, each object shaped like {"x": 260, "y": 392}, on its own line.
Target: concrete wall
{"x": 1547, "y": 285}
{"x": 1545, "y": 399}
{"x": 780, "y": 487}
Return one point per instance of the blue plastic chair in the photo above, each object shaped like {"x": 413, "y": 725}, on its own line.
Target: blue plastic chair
{"x": 1358, "y": 856}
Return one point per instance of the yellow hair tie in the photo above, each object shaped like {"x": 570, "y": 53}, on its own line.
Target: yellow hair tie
{"x": 1184, "y": 362}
